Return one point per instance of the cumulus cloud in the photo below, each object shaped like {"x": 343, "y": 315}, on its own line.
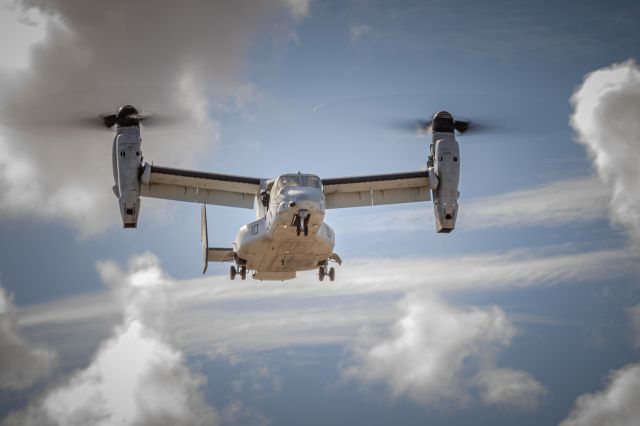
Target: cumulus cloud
{"x": 605, "y": 117}
{"x": 137, "y": 377}
{"x": 178, "y": 60}
{"x": 21, "y": 363}
{"x": 617, "y": 405}
{"x": 432, "y": 351}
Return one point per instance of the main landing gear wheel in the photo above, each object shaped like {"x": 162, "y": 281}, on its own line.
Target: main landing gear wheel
{"x": 233, "y": 272}
{"x": 323, "y": 272}
{"x": 243, "y": 272}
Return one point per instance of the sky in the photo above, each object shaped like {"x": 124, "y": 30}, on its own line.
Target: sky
{"x": 528, "y": 313}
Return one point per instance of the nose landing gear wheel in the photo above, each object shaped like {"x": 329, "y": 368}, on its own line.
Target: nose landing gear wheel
{"x": 321, "y": 273}
{"x": 233, "y": 272}
{"x": 243, "y": 272}
{"x": 332, "y": 274}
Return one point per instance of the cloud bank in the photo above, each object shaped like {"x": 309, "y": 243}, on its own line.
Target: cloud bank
{"x": 606, "y": 111}
{"x": 178, "y": 60}
{"x": 605, "y": 117}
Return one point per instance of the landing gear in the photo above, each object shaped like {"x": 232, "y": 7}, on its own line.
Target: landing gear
{"x": 324, "y": 271}
{"x": 242, "y": 270}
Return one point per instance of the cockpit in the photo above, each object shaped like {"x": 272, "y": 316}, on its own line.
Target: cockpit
{"x": 298, "y": 180}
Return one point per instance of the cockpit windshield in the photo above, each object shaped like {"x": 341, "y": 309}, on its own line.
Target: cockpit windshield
{"x": 308, "y": 181}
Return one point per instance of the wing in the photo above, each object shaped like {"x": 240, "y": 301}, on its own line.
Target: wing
{"x": 199, "y": 187}
{"x": 376, "y": 190}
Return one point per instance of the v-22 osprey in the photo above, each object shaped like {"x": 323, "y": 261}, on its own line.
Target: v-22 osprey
{"x": 290, "y": 233}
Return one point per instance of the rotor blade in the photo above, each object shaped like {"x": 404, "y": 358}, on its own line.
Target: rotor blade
{"x": 109, "y": 120}
{"x": 410, "y": 126}
{"x": 462, "y": 126}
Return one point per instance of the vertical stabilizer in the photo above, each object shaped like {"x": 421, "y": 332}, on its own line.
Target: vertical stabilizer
{"x": 204, "y": 238}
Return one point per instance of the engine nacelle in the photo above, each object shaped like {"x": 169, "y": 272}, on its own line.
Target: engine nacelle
{"x": 127, "y": 163}
{"x": 446, "y": 160}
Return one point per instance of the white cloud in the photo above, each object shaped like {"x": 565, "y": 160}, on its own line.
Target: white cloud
{"x": 298, "y": 8}
{"x": 576, "y": 200}
{"x": 617, "y": 405}
{"x": 606, "y": 111}
{"x": 21, "y": 363}
{"x": 137, "y": 377}
{"x": 164, "y": 315}
{"x": 179, "y": 61}
{"x": 358, "y": 31}
{"x": 254, "y": 317}
{"x": 507, "y": 387}
{"x": 434, "y": 350}
{"x": 634, "y": 314}
{"x": 20, "y": 30}
{"x": 553, "y": 204}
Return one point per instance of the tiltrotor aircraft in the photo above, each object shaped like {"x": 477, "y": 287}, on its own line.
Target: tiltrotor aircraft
{"x": 289, "y": 233}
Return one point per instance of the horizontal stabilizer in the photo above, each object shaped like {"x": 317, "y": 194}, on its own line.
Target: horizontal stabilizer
{"x": 220, "y": 254}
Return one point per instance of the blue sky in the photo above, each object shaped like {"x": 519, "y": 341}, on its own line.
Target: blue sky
{"x": 527, "y": 313}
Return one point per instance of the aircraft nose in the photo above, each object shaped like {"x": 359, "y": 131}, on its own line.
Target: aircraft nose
{"x": 304, "y": 201}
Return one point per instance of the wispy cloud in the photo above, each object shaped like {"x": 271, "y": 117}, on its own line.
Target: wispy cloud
{"x": 579, "y": 200}
{"x": 21, "y": 363}
{"x": 252, "y": 316}
{"x": 358, "y": 31}
{"x": 634, "y": 315}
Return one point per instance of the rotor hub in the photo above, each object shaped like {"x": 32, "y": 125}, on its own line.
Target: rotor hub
{"x": 443, "y": 122}
{"x": 127, "y": 116}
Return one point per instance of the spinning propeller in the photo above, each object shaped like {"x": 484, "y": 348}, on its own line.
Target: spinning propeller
{"x": 442, "y": 121}
{"x": 127, "y": 116}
